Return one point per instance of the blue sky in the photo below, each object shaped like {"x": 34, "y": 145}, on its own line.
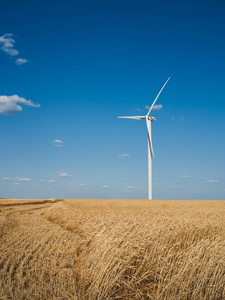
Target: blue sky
{"x": 83, "y": 63}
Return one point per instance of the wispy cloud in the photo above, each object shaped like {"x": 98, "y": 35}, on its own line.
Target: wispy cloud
{"x": 51, "y": 181}
{"x": 184, "y": 176}
{"x": 16, "y": 183}
{"x": 158, "y": 107}
{"x": 20, "y": 179}
{"x": 7, "y": 44}
{"x": 11, "y": 104}
{"x": 40, "y": 180}
{"x": 177, "y": 119}
{"x": 81, "y": 184}
{"x": 175, "y": 187}
{"x": 155, "y": 107}
{"x": 62, "y": 174}
{"x": 138, "y": 109}
{"x": 210, "y": 180}
{"x": 105, "y": 187}
{"x": 21, "y": 61}
{"x": 158, "y": 183}
{"x": 129, "y": 189}
{"x": 58, "y": 143}
{"x": 124, "y": 155}
{"x": 7, "y": 179}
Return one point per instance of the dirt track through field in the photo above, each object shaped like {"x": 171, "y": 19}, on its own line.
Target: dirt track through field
{"x": 32, "y": 251}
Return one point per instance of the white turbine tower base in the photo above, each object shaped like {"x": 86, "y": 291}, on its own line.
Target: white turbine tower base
{"x": 150, "y": 147}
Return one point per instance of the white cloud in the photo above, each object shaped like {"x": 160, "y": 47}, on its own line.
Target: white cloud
{"x": 58, "y": 143}
{"x": 16, "y": 183}
{"x": 51, "y": 181}
{"x": 124, "y": 155}
{"x": 7, "y": 44}
{"x": 22, "y": 179}
{"x": 21, "y": 61}
{"x": 158, "y": 107}
{"x": 138, "y": 109}
{"x": 7, "y": 179}
{"x": 155, "y": 107}
{"x": 158, "y": 183}
{"x": 177, "y": 119}
{"x": 81, "y": 184}
{"x": 16, "y": 179}
{"x": 40, "y": 180}
{"x": 61, "y": 174}
{"x": 175, "y": 187}
{"x": 129, "y": 189}
{"x": 211, "y": 180}
{"x": 184, "y": 176}
{"x": 9, "y": 104}
{"x": 105, "y": 187}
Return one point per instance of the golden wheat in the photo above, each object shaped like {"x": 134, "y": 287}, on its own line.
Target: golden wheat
{"x": 112, "y": 249}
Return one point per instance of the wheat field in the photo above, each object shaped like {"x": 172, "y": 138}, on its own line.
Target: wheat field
{"x": 112, "y": 249}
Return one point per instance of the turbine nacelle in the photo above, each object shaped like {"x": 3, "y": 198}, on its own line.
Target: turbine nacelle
{"x": 139, "y": 118}
{"x": 151, "y": 118}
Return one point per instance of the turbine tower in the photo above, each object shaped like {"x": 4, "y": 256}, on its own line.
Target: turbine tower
{"x": 149, "y": 119}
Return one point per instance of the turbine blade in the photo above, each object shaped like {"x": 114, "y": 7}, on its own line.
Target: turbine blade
{"x": 150, "y": 136}
{"x": 157, "y": 98}
{"x": 133, "y": 117}
{"x": 150, "y": 140}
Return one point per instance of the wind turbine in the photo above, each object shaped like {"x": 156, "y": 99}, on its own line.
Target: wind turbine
{"x": 149, "y": 119}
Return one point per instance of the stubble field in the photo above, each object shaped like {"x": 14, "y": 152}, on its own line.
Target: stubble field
{"x": 112, "y": 249}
